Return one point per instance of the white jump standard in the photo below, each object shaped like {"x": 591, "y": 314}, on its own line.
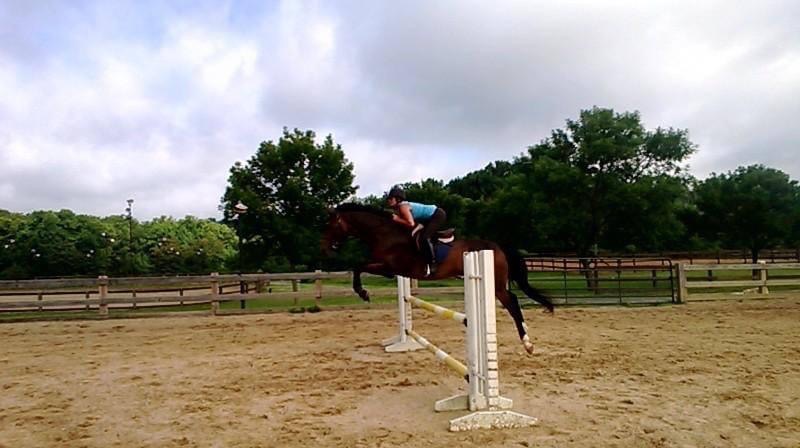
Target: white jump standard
{"x": 490, "y": 410}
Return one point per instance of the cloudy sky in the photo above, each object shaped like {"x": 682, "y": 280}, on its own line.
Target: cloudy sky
{"x": 155, "y": 100}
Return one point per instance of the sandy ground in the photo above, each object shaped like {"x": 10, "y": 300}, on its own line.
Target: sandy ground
{"x": 703, "y": 374}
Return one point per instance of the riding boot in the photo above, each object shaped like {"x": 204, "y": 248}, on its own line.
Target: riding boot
{"x": 431, "y": 256}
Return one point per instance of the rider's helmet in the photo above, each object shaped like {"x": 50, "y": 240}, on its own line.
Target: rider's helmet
{"x": 397, "y": 193}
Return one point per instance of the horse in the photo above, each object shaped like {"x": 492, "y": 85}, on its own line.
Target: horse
{"x": 394, "y": 251}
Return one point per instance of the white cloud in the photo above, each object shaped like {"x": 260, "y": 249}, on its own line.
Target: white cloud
{"x": 104, "y": 101}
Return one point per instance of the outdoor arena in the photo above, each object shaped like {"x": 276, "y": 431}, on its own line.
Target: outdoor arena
{"x": 706, "y": 373}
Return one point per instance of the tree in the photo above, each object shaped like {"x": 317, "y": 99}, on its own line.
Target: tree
{"x": 753, "y": 207}
{"x": 482, "y": 184}
{"x": 47, "y": 244}
{"x": 10, "y": 227}
{"x": 287, "y": 187}
{"x": 604, "y": 181}
{"x": 188, "y": 245}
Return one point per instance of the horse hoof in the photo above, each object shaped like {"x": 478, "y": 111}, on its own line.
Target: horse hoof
{"x": 528, "y": 347}
{"x": 364, "y": 295}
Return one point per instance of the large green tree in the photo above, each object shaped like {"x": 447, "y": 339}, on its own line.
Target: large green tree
{"x": 287, "y": 186}
{"x": 602, "y": 181}
{"x": 752, "y": 208}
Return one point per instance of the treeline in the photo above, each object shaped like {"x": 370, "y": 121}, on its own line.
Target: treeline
{"x": 601, "y": 183}
{"x": 49, "y": 244}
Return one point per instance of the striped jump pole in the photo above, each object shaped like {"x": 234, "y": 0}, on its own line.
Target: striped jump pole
{"x": 441, "y": 355}
{"x": 489, "y": 409}
{"x": 438, "y": 310}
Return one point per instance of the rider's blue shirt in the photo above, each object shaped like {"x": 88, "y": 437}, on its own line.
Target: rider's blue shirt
{"x": 421, "y": 212}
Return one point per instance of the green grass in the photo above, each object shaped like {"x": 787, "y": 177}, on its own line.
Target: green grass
{"x": 627, "y": 285}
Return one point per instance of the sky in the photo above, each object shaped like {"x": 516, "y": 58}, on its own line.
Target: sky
{"x": 102, "y": 101}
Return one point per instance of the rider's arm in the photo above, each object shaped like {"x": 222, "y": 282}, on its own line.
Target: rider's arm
{"x": 404, "y": 217}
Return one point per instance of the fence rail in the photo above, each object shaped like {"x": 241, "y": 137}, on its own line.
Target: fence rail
{"x": 754, "y": 276}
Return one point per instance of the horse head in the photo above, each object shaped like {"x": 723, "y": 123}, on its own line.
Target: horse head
{"x": 366, "y": 223}
{"x": 335, "y": 232}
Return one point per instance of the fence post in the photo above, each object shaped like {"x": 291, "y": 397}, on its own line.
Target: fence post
{"x": 242, "y": 290}
{"x": 214, "y": 293}
{"x": 318, "y": 287}
{"x": 102, "y": 287}
{"x": 762, "y": 277}
{"x": 683, "y": 291}
{"x": 39, "y": 298}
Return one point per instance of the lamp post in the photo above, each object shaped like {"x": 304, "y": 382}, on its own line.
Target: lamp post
{"x": 130, "y": 235}
{"x": 240, "y": 209}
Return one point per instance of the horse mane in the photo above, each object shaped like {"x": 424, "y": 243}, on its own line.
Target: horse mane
{"x": 355, "y": 207}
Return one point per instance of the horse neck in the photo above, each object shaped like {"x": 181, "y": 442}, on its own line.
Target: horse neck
{"x": 371, "y": 229}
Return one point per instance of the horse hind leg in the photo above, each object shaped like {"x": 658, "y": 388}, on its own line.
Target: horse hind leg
{"x": 510, "y": 302}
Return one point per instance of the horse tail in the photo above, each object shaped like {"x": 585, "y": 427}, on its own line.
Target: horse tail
{"x": 518, "y": 272}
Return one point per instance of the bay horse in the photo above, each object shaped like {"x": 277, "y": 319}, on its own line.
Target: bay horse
{"x": 393, "y": 251}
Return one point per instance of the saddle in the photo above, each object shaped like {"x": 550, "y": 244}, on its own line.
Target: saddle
{"x": 444, "y": 236}
{"x": 442, "y": 242}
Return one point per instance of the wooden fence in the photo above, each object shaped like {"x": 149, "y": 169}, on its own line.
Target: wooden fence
{"x": 103, "y": 292}
{"x": 620, "y": 281}
{"x": 753, "y": 277}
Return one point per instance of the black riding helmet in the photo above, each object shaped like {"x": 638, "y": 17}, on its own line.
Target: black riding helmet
{"x": 397, "y": 193}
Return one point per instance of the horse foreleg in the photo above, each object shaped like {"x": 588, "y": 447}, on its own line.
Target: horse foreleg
{"x": 372, "y": 268}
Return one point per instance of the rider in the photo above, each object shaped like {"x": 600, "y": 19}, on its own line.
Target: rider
{"x": 411, "y": 213}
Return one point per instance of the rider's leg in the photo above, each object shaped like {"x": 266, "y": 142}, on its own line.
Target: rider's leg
{"x": 428, "y": 235}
